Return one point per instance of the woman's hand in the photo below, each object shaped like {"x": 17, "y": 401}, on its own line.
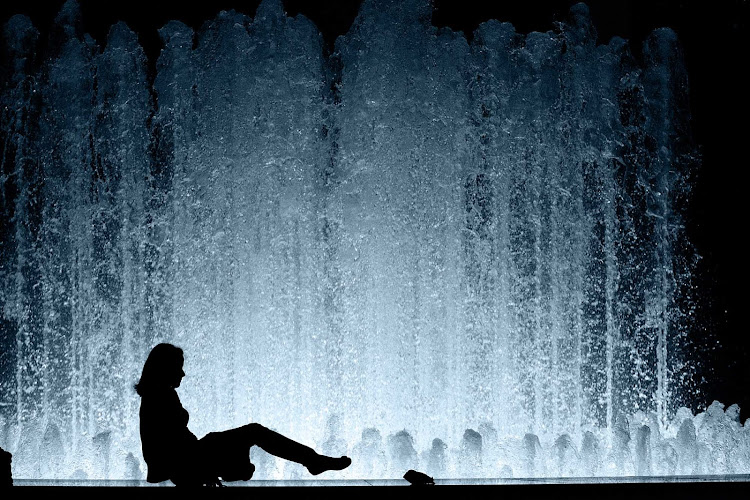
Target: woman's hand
{"x": 214, "y": 483}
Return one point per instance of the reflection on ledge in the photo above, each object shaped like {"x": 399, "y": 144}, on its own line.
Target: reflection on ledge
{"x": 715, "y": 479}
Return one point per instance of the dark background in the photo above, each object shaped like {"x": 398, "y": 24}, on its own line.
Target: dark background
{"x": 715, "y": 41}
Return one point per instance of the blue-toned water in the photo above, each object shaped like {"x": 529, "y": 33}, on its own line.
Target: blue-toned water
{"x": 416, "y": 232}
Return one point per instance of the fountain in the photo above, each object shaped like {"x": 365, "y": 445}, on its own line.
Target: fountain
{"x": 414, "y": 236}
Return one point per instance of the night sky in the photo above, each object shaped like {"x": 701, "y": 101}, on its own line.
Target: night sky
{"x": 715, "y": 41}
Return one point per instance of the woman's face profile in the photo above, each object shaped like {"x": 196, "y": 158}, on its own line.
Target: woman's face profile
{"x": 177, "y": 374}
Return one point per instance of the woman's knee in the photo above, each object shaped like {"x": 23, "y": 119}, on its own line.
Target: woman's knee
{"x": 255, "y": 428}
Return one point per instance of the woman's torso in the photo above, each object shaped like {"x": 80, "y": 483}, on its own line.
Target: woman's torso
{"x": 166, "y": 441}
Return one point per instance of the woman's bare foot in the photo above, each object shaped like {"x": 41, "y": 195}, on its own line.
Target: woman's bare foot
{"x": 323, "y": 463}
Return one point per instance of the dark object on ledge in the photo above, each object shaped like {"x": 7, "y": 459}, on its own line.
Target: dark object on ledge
{"x": 418, "y": 478}
{"x": 6, "y": 478}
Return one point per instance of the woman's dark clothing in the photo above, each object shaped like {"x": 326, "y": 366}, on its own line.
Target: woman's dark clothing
{"x": 173, "y": 452}
{"x": 165, "y": 437}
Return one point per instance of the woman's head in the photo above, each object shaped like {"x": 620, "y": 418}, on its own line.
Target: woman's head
{"x": 162, "y": 370}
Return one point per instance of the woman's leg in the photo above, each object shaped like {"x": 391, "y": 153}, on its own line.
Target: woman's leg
{"x": 278, "y": 445}
{"x": 283, "y": 447}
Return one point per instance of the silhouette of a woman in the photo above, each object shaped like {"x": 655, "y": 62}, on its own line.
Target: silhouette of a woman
{"x": 173, "y": 452}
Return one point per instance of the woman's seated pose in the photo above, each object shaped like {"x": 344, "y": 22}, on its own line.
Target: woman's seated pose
{"x": 173, "y": 452}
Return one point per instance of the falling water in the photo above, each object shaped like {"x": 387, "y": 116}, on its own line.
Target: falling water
{"x": 414, "y": 232}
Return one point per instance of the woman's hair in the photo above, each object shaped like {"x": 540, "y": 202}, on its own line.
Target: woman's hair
{"x": 159, "y": 368}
